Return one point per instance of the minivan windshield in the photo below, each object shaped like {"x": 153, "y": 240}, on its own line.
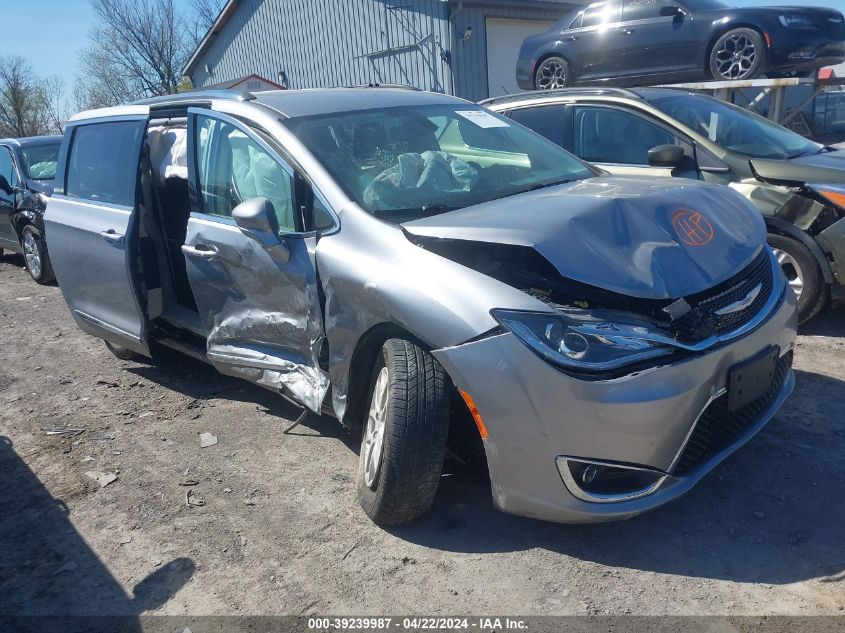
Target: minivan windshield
{"x": 412, "y": 161}
{"x": 735, "y": 129}
{"x": 39, "y": 161}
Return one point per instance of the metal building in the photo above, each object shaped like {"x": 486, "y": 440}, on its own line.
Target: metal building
{"x": 463, "y": 47}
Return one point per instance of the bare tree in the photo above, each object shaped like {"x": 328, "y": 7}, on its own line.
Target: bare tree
{"x": 205, "y": 14}
{"x": 22, "y": 99}
{"x": 56, "y": 112}
{"x": 138, "y": 50}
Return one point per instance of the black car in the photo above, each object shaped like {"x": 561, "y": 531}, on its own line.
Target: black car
{"x": 639, "y": 41}
{"x": 798, "y": 185}
{"x": 27, "y": 169}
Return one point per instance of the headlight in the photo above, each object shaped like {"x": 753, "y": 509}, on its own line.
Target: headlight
{"x": 795, "y": 19}
{"x": 586, "y": 341}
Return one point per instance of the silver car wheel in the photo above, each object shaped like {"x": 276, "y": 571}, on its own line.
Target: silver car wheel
{"x": 32, "y": 255}
{"x": 551, "y": 76}
{"x": 791, "y": 269}
{"x": 736, "y": 57}
{"x": 373, "y": 444}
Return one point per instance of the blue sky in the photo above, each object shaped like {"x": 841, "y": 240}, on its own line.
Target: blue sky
{"x": 58, "y": 30}
{"x": 50, "y": 33}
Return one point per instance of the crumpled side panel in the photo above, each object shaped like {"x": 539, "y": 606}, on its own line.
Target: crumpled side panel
{"x": 373, "y": 276}
{"x": 780, "y": 202}
{"x": 262, "y": 316}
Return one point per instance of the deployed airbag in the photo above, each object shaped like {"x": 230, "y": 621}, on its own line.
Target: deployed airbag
{"x": 418, "y": 178}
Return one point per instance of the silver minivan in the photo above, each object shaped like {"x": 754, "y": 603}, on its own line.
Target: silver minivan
{"x": 410, "y": 262}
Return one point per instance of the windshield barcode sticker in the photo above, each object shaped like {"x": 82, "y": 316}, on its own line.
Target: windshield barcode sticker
{"x": 482, "y": 118}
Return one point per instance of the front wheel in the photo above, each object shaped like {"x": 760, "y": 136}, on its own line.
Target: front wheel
{"x": 552, "y": 73}
{"x": 35, "y": 256}
{"x": 803, "y": 274}
{"x": 738, "y": 54}
{"x": 404, "y": 440}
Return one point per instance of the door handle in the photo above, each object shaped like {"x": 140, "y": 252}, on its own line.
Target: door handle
{"x": 572, "y": 38}
{"x": 200, "y": 251}
{"x": 112, "y": 236}
{"x": 627, "y": 31}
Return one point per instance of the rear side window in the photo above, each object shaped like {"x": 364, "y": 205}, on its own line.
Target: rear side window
{"x": 601, "y": 14}
{"x": 547, "y": 121}
{"x": 103, "y": 162}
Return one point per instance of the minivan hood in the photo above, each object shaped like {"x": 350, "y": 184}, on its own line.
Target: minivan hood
{"x": 619, "y": 234}
{"x": 822, "y": 167}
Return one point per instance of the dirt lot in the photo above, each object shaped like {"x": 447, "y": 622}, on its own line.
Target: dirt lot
{"x": 281, "y": 531}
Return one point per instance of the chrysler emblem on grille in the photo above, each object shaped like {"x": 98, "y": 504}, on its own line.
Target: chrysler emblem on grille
{"x": 742, "y": 304}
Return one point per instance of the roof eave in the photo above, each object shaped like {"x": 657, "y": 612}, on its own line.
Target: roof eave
{"x": 225, "y": 15}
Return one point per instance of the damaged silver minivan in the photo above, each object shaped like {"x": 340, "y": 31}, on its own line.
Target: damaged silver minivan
{"x": 405, "y": 261}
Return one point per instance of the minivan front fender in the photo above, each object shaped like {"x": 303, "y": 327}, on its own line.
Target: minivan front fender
{"x": 374, "y": 278}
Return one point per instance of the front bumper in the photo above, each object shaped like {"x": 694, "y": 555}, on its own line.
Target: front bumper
{"x": 806, "y": 53}
{"x": 535, "y": 413}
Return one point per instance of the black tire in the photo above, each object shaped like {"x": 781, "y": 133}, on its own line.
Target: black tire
{"x": 35, "y": 256}
{"x": 416, "y": 425}
{"x": 730, "y": 56}
{"x": 552, "y": 73}
{"x": 799, "y": 264}
{"x": 123, "y": 353}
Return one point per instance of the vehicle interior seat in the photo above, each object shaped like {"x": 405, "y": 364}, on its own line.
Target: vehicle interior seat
{"x": 166, "y": 157}
{"x": 367, "y": 140}
{"x": 415, "y": 138}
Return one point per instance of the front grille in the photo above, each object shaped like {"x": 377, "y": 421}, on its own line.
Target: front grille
{"x": 702, "y": 321}
{"x": 718, "y": 428}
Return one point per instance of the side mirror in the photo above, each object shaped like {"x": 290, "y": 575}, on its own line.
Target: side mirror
{"x": 256, "y": 218}
{"x": 666, "y": 156}
{"x": 670, "y": 11}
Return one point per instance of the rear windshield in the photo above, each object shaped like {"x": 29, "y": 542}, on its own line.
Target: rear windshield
{"x": 736, "y": 129}
{"x": 416, "y": 161}
{"x": 39, "y": 161}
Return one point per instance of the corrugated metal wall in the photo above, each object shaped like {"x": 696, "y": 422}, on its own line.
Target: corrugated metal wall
{"x": 469, "y": 58}
{"x": 346, "y": 42}
{"x": 332, "y": 43}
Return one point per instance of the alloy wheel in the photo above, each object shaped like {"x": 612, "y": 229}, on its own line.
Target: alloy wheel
{"x": 791, "y": 269}
{"x": 32, "y": 255}
{"x": 551, "y": 75}
{"x": 373, "y": 444}
{"x": 736, "y": 57}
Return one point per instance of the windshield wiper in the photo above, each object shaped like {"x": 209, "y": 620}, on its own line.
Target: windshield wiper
{"x": 425, "y": 210}
{"x": 811, "y": 152}
{"x": 543, "y": 185}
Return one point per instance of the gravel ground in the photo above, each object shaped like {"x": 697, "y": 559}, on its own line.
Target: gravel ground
{"x": 280, "y": 531}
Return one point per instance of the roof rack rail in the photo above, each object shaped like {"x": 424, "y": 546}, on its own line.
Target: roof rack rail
{"x": 198, "y": 95}
{"x": 394, "y": 86}
{"x": 622, "y": 92}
